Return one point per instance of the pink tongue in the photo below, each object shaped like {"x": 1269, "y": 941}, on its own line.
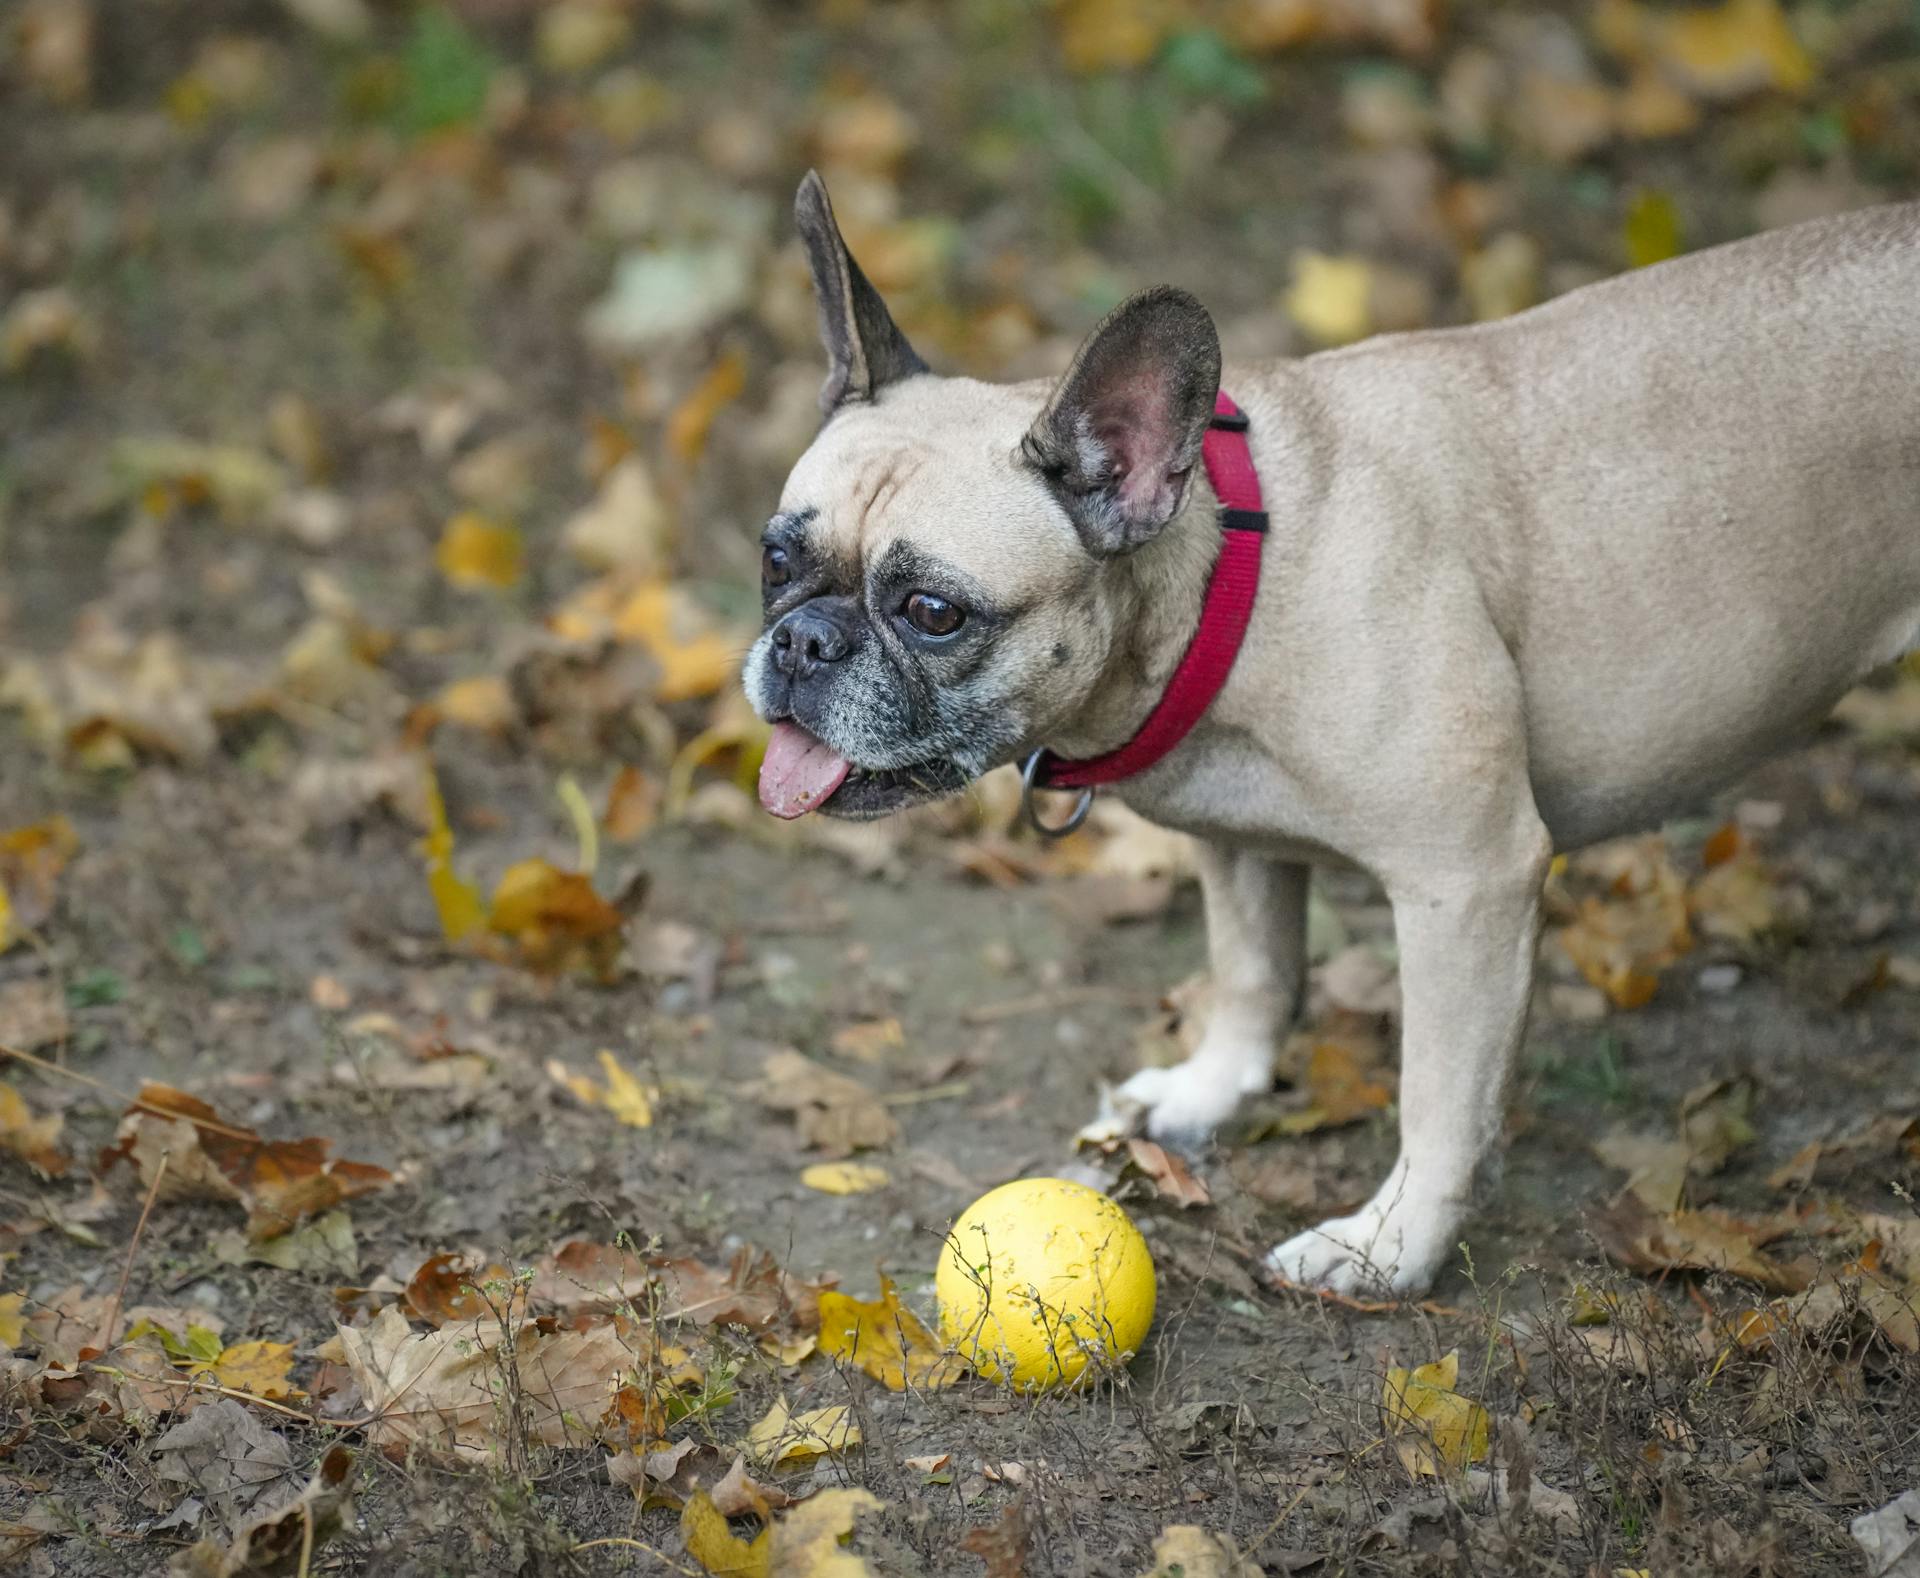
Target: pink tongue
{"x": 799, "y": 772}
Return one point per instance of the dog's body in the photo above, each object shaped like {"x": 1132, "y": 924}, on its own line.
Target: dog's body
{"x": 1527, "y": 585}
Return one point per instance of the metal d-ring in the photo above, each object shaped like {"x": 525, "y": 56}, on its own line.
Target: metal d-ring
{"x": 1029, "y": 781}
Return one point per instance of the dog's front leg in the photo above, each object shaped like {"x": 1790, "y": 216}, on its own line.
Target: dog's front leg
{"x": 1257, "y": 942}
{"x": 1466, "y": 972}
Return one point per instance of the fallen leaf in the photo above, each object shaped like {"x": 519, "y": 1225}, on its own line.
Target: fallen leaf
{"x": 12, "y": 1327}
{"x": 752, "y": 1292}
{"x": 809, "y": 1541}
{"x": 716, "y": 1547}
{"x": 835, "y": 1114}
{"x": 276, "y": 1542}
{"x": 33, "y": 1140}
{"x": 844, "y": 1177}
{"x": 1641, "y": 1241}
{"x": 1169, "y": 1175}
{"x": 33, "y": 1014}
{"x": 457, "y": 900}
{"x": 695, "y": 658}
{"x": 633, "y": 805}
{"x": 1716, "y": 1120}
{"x": 628, "y": 527}
{"x": 31, "y": 860}
{"x": 226, "y": 1454}
{"x": 448, "y": 1289}
{"x": 1331, "y": 297}
{"x": 279, "y": 1182}
{"x": 622, "y": 1095}
{"x": 870, "y": 1040}
{"x": 1651, "y": 231}
{"x": 692, "y": 420}
{"x": 556, "y": 919}
{"x": 1714, "y": 52}
{"x": 1656, "y": 1169}
{"x": 1889, "y": 1537}
{"x": 1339, "y": 1092}
{"x": 1434, "y": 1429}
{"x": 886, "y": 1340}
{"x": 738, "y": 1493}
{"x": 447, "y": 1390}
{"x": 260, "y": 1368}
{"x": 1621, "y": 941}
{"x": 475, "y": 551}
{"x": 782, "y": 1436}
{"x": 1002, "y": 1546}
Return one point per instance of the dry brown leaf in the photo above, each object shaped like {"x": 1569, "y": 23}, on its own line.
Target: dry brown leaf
{"x": 835, "y": 1114}
{"x": 448, "y": 1289}
{"x": 1170, "y": 1176}
{"x": 33, "y": 1014}
{"x": 278, "y": 1541}
{"x": 886, "y": 1340}
{"x": 1002, "y": 1546}
{"x": 1656, "y": 1169}
{"x": 1339, "y": 1092}
{"x": 450, "y": 1390}
{"x": 279, "y": 1182}
{"x": 1644, "y": 1242}
{"x": 633, "y": 805}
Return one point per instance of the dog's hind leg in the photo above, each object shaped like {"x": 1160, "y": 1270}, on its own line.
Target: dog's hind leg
{"x": 1257, "y": 940}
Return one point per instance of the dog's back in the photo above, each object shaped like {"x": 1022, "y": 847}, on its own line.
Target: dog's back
{"x": 1700, "y": 480}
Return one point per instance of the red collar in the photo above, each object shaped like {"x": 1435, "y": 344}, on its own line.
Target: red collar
{"x": 1224, "y": 617}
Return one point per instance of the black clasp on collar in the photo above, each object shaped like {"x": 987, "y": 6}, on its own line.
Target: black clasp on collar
{"x": 1230, "y": 421}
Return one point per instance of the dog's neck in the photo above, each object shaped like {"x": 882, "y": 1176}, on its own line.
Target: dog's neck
{"x": 1157, "y": 596}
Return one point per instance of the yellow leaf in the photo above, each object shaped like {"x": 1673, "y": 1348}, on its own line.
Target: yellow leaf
{"x": 1725, "y": 50}
{"x": 257, "y": 1367}
{"x": 694, "y": 659}
{"x": 1331, "y": 297}
{"x": 1112, "y": 35}
{"x": 456, "y": 900}
{"x": 627, "y": 1099}
{"x": 1652, "y": 230}
{"x": 12, "y": 1327}
{"x": 587, "y": 1090}
{"x": 870, "y": 1040}
{"x": 475, "y": 551}
{"x": 482, "y": 703}
{"x": 555, "y": 917}
{"x": 1434, "y": 1428}
{"x": 688, "y": 427}
{"x": 34, "y": 1140}
{"x": 843, "y": 1177}
{"x": 786, "y": 1437}
{"x": 6, "y": 919}
{"x": 885, "y": 1339}
{"x": 807, "y": 1541}
{"x": 716, "y": 1547}
{"x": 1342, "y": 1092}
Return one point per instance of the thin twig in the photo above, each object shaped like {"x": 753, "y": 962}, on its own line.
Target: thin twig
{"x": 199, "y": 1383}
{"x": 637, "y": 1545}
{"x": 1362, "y": 1306}
{"x": 126, "y": 1269}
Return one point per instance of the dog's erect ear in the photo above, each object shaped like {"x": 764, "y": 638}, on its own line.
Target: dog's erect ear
{"x": 864, "y": 347}
{"x": 1122, "y": 431}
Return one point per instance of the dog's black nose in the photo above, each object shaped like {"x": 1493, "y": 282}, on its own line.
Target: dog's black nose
{"x": 813, "y": 635}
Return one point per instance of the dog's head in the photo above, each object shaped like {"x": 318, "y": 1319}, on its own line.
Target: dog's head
{"x": 943, "y": 580}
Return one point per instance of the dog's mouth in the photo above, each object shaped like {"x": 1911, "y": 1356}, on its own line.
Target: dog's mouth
{"x": 802, "y": 773}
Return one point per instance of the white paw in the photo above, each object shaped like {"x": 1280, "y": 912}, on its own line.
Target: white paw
{"x": 1186, "y": 1103}
{"x": 1393, "y": 1249}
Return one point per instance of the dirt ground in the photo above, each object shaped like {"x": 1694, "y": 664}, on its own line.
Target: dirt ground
{"x": 345, "y": 275}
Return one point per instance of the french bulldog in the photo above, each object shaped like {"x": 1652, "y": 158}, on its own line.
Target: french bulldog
{"x": 1528, "y": 585}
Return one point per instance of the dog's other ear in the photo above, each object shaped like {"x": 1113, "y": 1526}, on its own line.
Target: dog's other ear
{"x": 1123, "y": 429}
{"x": 865, "y": 350}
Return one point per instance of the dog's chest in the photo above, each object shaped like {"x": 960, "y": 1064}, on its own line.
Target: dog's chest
{"x": 1222, "y": 787}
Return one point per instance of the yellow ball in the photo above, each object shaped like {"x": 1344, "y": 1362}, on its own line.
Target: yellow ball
{"x": 1045, "y": 1283}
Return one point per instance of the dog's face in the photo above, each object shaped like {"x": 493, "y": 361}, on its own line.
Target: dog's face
{"x": 936, "y": 581}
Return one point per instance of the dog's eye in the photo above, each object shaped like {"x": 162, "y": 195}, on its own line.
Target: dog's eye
{"x": 776, "y": 569}
{"x": 933, "y": 616}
